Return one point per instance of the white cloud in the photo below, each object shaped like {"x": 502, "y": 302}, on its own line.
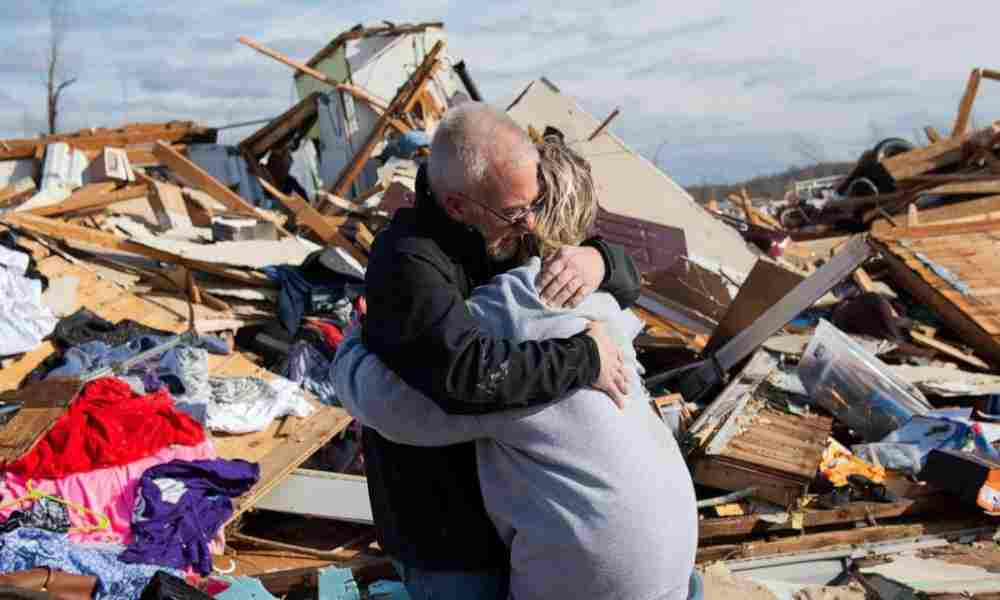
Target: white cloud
{"x": 722, "y": 90}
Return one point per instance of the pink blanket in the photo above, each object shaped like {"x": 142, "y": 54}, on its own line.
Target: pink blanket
{"x": 110, "y": 491}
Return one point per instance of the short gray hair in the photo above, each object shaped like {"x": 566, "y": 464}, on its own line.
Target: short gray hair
{"x": 472, "y": 142}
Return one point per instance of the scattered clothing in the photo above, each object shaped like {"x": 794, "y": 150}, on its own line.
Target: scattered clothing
{"x": 88, "y": 342}
{"x": 180, "y": 507}
{"x": 313, "y": 288}
{"x": 108, "y": 425}
{"x": 26, "y": 548}
{"x": 228, "y": 404}
{"x": 24, "y": 320}
{"x": 84, "y": 326}
{"x": 44, "y": 513}
{"x": 164, "y": 586}
{"x": 332, "y": 334}
{"x": 110, "y": 491}
{"x": 309, "y": 367}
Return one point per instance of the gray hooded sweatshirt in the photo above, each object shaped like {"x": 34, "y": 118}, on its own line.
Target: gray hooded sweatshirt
{"x": 593, "y": 502}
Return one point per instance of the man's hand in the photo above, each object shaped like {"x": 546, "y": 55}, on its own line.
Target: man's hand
{"x": 570, "y": 274}
{"x": 613, "y": 380}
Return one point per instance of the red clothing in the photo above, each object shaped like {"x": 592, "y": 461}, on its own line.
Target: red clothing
{"x": 331, "y": 333}
{"x": 108, "y": 425}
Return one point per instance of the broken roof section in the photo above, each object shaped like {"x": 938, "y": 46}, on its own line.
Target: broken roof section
{"x": 628, "y": 184}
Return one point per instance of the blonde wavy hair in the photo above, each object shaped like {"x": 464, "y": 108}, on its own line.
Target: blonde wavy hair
{"x": 569, "y": 199}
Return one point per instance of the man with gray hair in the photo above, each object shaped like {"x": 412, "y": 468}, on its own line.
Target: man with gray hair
{"x": 477, "y": 201}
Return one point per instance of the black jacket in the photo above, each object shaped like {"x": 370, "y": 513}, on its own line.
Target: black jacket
{"x": 428, "y": 508}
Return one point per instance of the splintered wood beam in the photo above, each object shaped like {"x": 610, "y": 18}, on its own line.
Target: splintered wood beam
{"x": 65, "y": 231}
{"x": 17, "y": 191}
{"x": 311, "y": 218}
{"x": 281, "y": 127}
{"x": 941, "y": 154}
{"x": 403, "y": 98}
{"x": 93, "y": 196}
{"x": 376, "y": 105}
{"x": 965, "y": 106}
{"x": 201, "y": 179}
{"x": 286, "y": 61}
{"x": 600, "y": 129}
{"x": 932, "y": 134}
{"x": 93, "y": 140}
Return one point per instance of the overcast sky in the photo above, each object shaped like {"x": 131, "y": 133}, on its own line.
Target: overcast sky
{"x": 714, "y": 91}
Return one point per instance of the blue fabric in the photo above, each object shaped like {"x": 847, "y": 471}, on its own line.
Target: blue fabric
{"x": 696, "y": 587}
{"x": 405, "y": 146}
{"x": 491, "y": 584}
{"x": 387, "y": 590}
{"x": 244, "y": 588}
{"x": 95, "y": 355}
{"x": 27, "y": 548}
{"x": 180, "y": 507}
{"x": 311, "y": 288}
{"x": 337, "y": 584}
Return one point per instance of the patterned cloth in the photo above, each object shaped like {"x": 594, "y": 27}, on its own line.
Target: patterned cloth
{"x": 44, "y": 513}
{"x": 27, "y": 548}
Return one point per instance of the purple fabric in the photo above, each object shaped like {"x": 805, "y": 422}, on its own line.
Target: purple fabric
{"x": 180, "y": 507}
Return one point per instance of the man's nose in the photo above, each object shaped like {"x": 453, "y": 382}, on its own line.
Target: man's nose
{"x": 528, "y": 222}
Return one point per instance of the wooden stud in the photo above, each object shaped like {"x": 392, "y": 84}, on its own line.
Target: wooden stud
{"x": 376, "y": 105}
{"x": 311, "y": 218}
{"x": 403, "y": 99}
{"x": 301, "y": 68}
{"x": 965, "y": 105}
{"x": 941, "y": 154}
{"x": 92, "y": 196}
{"x": 130, "y": 135}
{"x": 167, "y": 203}
{"x": 201, "y": 179}
{"x": 948, "y": 349}
{"x": 20, "y": 190}
{"x": 604, "y": 124}
{"x": 281, "y": 127}
{"x": 65, "y": 231}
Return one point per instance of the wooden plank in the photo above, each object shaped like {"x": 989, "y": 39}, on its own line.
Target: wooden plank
{"x": 815, "y": 541}
{"x": 990, "y": 226}
{"x": 43, "y": 403}
{"x": 965, "y": 105}
{"x": 301, "y": 68}
{"x": 281, "y": 127}
{"x": 604, "y": 124}
{"x": 980, "y": 209}
{"x": 403, "y": 98}
{"x": 376, "y": 105}
{"x": 958, "y": 188}
{"x": 932, "y": 134}
{"x": 956, "y": 319}
{"x": 135, "y": 134}
{"x": 201, "y": 179}
{"x": 167, "y": 203}
{"x": 724, "y": 475}
{"x": 929, "y": 342}
{"x": 93, "y": 196}
{"x": 311, "y": 218}
{"x": 767, "y": 283}
{"x": 65, "y": 231}
{"x": 852, "y": 513}
{"x": 941, "y": 154}
{"x": 22, "y": 189}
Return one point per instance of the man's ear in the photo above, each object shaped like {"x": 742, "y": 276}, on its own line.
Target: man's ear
{"x": 455, "y": 207}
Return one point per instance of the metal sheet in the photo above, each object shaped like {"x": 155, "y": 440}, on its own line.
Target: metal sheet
{"x": 321, "y": 494}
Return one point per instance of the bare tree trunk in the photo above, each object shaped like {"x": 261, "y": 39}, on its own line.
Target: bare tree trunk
{"x": 57, "y": 32}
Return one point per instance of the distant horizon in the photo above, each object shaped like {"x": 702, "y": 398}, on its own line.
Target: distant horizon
{"x": 713, "y": 94}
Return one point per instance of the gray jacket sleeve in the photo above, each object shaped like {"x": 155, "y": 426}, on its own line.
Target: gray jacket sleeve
{"x": 378, "y": 398}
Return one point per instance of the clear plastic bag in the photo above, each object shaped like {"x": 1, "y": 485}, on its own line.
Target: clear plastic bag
{"x": 856, "y": 387}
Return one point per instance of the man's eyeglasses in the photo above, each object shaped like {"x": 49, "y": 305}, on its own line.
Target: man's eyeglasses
{"x": 515, "y": 216}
